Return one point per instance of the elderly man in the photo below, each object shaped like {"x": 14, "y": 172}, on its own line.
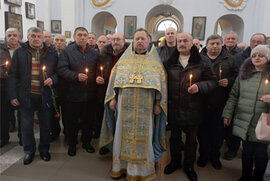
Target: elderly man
{"x": 48, "y": 39}
{"x": 7, "y": 111}
{"x": 59, "y": 43}
{"x": 102, "y": 41}
{"x": 230, "y": 43}
{"x": 168, "y": 45}
{"x": 211, "y": 130}
{"x": 77, "y": 66}
{"x": 256, "y": 39}
{"x": 189, "y": 80}
{"x": 135, "y": 92}
{"x": 33, "y": 92}
{"x": 92, "y": 39}
{"x": 109, "y": 56}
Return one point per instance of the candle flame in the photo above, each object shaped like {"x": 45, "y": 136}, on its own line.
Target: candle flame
{"x": 86, "y": 70}
{"x": 190, "y": 76}
{"x": 266, "y": 81}
{"x": 44, "y": 67}
{"x": 101, "y": 68}
{"x": 6, "y": 63}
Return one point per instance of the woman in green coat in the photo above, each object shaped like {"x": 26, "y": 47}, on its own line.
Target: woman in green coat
{"x": 246, "y": 103}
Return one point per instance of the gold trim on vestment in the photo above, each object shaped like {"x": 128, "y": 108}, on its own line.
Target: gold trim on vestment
{"x": 132, "y": 137}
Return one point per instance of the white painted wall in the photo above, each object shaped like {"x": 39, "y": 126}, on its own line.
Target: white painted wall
{"x": 255, "y": 14}
{"x": 75, "y": 13}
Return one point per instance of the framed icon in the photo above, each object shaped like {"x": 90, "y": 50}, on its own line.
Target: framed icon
{"x": 198, "y": 27}
{"x": 30, "y": 10}
{"x": 14, "y": 2}
{"x": 130, "y": 26}
{"x": 68, "y": 34}
{"x": 56, "y": 26}
{"x": 40, "y": 24}
{"x": 13, "y": 20}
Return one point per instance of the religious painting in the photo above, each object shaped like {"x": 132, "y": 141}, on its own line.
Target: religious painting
{"x": 15, "y": 2}
{"x": 13, "y": 20}
{"x": 268, "y": 40}
{"x": 30, "y": 10}
{"x": 12, "y": 9}
{"x": 198, "y": 27}
{"x": 68, "y": 34}
{"x": 130, "y": 26}
{"x": 40, "y": 24}
{"x": 56, "y": 26}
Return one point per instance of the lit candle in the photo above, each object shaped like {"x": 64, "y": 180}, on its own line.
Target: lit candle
{"x": 190, "y": 79}
{"x": 101, "y": 71}
{"x": 265, "y": 86}
{"x": 43, "y": 71}
{"x": 86, "y": 72}
{"x": 220, "y": 72}
{"x": 6, "y": 64}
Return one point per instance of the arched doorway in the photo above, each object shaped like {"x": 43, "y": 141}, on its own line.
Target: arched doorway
{"x": 161, "y": 17}
{"x": 230, "y": 22}
{"x": 103, "y": 23}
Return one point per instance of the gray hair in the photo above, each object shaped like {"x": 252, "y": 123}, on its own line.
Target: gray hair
{"x": 213, "y": 37}
{"x": 231, "y": 33}
{"x": 11, "y": 30}
{"x": 34, "y": 29}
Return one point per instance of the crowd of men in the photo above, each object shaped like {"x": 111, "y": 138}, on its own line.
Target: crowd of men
{"x": 108, "y": 88}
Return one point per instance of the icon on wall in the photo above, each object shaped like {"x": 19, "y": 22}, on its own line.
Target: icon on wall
{"x": 130, "y": 26}
{"x": 30, "y": 10}
{"x": 198, "y": 27}
{"x": 56, "y": 26}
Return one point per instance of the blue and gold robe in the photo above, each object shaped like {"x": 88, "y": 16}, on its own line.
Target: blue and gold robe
{"x": 137, "y": 82}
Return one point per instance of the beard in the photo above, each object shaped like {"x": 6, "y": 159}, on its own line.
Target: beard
{"x": 140, "y": 48}
{"x": 117, "y": 47}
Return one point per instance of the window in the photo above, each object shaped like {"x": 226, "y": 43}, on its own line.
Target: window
{"x": 166, "y": 24}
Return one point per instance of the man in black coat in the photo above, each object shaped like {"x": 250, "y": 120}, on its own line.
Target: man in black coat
{"x": 256, "y": 39}
{"x": 189, "y": 78}
{"x": 108, "y": 58}
{"x": 168, "y": 45}
{"x": 230, "y": 43}
{"x": 77, "y": 66}
{"x": 8, "y": 120}
{"x": 29, "y": 88}
{"x": 210, "y": 134}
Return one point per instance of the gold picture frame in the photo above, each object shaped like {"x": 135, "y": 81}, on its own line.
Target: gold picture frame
{"x": 40, "y": 24}
{"x": 13, "y": 20}
{"x": 198, "y": 27}
{"x": 130, "y": 26}
{"x": 68, "y": 34}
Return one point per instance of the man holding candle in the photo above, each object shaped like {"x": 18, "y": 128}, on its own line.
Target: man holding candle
{"x": 8, "y": 120}
{"x": 189, "y": 79}
{"x": 77, "y": 66}
{"x": 29, "y": 90}
{"x": 247, "y": 102}
{"x": 211, "y": 130}
{"x": 108, "y": 58}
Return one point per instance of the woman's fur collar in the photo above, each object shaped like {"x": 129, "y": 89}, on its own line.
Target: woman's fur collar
{"x": 247, "y": 69}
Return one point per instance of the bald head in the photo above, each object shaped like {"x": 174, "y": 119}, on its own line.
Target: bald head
{"x": 170, "y": 36}
{"x": 48, "y": 39}
{"x": 59, "y": 42}
{"x": 184, "y": 43}
{"x": 197, "y": 43}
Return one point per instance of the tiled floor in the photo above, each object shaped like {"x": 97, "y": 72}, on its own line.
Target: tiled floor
{"x": 92, "y": 167}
